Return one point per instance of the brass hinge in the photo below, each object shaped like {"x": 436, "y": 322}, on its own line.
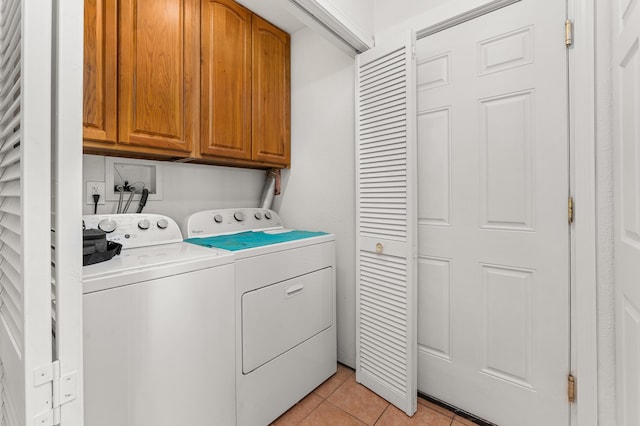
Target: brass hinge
{"x": 570, "y": 210}
{"x": 568, "y": 32}
{"x": 571, "y": 388}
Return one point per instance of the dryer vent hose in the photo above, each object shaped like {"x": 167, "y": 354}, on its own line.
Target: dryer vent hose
{"x": 271, "y": 188}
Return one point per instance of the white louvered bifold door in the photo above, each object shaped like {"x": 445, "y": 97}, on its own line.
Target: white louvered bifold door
{"x": 67, "y": 198}
{"x": 25, "y": 206}
{"x": 386, "y": 216}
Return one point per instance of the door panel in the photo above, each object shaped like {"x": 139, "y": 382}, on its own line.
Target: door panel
{"x": 25, "y": 212}
{"x": 626, "y": 59}
{"x": 226, "y": 79}
{"x": 271, "y": 77}
{"x": 100, "y": 71}
{"x": 386, "y": 210}
{"x": 159, "y": 74}
{"x": 493, "y": 233}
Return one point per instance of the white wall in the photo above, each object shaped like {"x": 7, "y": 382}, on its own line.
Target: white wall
{"x": 604, "y": 218}
{"x": 319, "y": 189}
{"x": 187, "y": 188}
{"x": 358, "y": 13}
{"x": 391, "y": 16}
{"x": 388, "y": 13}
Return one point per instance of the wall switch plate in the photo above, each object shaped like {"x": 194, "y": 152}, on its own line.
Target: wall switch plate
{"x": 95, "y": 188}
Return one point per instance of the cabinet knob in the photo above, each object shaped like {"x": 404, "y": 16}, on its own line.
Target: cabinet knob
{"x": 379, "y": 248}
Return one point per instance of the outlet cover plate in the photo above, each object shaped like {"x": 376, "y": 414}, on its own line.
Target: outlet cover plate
{"x": 92, "y": 188}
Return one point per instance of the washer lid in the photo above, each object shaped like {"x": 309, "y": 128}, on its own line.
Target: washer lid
{"x": 146, "y": 263}
{"x": 253, "y": 239}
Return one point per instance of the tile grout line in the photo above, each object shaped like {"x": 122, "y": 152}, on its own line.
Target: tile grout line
{"x": 382, "y": 414}
{"x": 344, "y": 411}
{"x": 324, "y": 399}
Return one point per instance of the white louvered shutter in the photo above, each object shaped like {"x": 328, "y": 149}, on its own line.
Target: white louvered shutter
{"x": 66, "y": 269}
{"x": 25, "y": 208}
{"x": 386, "y": 216}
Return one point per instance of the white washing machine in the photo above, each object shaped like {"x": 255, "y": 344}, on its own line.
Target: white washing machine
{"x": 159, "y": 339}
{"x": 285, "y": 307}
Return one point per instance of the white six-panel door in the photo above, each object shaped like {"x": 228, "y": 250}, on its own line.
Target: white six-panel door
{"x": 493, "y": 266}
{"x": 626, "y": 78}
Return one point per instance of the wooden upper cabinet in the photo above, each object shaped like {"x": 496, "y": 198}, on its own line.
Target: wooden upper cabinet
{"x": 271, "y": 128}
{"x": 225, "y": 128}
{"x": 201, "y": 79}
{"x": 100, "y": 71}
{"x": 159, "y": 81}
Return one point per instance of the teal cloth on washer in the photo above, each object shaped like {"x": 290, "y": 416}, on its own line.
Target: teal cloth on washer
{"x": 251, "y": 239}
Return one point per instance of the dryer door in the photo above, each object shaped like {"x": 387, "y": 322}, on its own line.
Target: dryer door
{"x": 278, "y": 317}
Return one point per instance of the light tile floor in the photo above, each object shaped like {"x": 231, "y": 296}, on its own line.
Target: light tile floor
{"x": 340, "y": 401}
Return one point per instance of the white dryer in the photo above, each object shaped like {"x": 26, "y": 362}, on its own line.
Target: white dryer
{"x": 159, "y": 340}
{"x": 285, "y": 307}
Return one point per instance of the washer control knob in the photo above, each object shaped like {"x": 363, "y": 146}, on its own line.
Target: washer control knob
{"x": 218, "y": 218}
{"x": 107, "y": 225}
{"x": 258, "y": 215}
{"x": 163, "y": 223}
{"x": 144, "y": 224}
{"x": 239, "y": 216}
{"x": 267, "y": 215}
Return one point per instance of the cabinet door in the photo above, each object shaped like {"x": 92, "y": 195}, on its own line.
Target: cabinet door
{"x": 271, "y": 94}
{"x": 226, "y": 79}
{"x": 159, "y": 75}
{"x": 100, "y": 71}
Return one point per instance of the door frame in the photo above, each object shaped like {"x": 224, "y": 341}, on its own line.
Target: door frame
{"x": 582, "y": 127}
{"x": 582, "y": 169}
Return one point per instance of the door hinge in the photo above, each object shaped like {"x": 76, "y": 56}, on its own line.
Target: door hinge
{"x": 568, "y": 32}
{"x": 64, "y": 390}
{"x": 571, "y": 388}
{"x": 570, "y": 211}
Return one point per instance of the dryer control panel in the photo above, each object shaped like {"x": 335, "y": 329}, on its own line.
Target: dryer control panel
{"x": 135, "y": 230}
{"x": 230, "y": 221}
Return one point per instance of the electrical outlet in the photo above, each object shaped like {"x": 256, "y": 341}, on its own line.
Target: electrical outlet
{"x": 95, "y": 188}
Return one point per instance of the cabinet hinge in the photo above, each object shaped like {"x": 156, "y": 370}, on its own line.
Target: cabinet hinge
{"x": 571, "y": 388}
{"x": 568, "y": 32}
{"x": 570, "y": 211}
{"x": 64, "y": 389}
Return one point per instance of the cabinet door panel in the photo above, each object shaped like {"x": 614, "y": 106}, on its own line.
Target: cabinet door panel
{"x": 226, "y": 79}
{"x": 271, "y": 93}
{"x": 159, "y": 74}
{"x": 100, "y": 71}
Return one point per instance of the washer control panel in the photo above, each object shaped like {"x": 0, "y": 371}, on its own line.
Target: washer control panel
{"x": 230, "y": 221}
{"x": 135, "y": 230}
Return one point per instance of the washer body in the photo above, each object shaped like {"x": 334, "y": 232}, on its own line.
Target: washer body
{"x": 285, "y": 307}
{"x": 159, "y": 341}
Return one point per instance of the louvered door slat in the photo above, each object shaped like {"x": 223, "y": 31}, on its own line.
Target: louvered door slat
{"x": 380, "y": 98}
{"x": 388, "y": 105}
{"x": 386, "y": 305}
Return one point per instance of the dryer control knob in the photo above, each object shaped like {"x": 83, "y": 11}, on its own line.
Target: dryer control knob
{"x": 107, "y": 225}
{"x": 267, "y": 215}
{"x": 144, "y": 224}
{"x": 163, "y": 223}
{"x": 239, "y": 216}
{"x": 258, "y": 215}
{"x": 218, "y": 218}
